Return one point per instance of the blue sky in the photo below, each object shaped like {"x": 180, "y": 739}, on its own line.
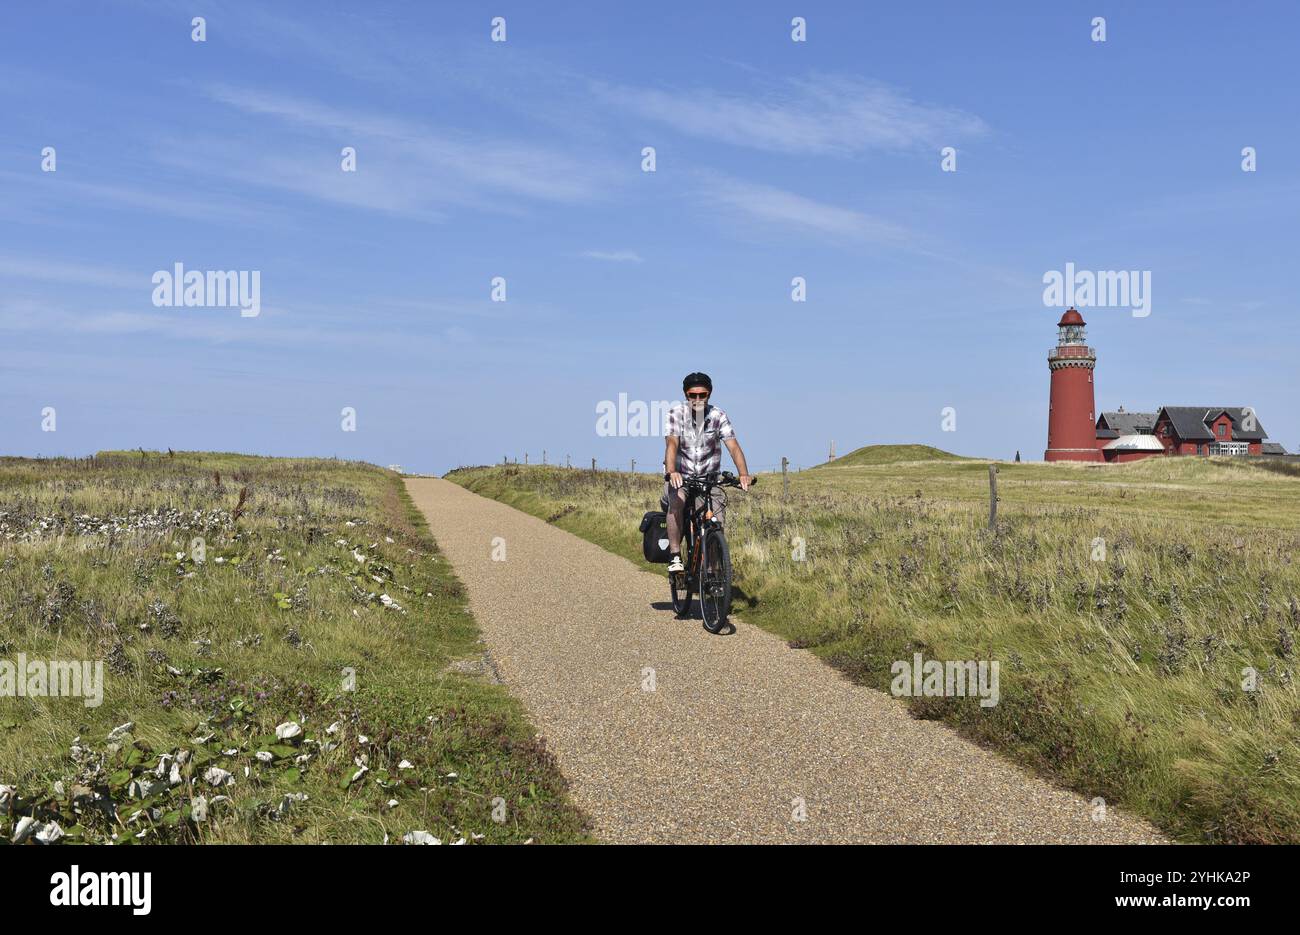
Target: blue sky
{"x": 522, "y": 159}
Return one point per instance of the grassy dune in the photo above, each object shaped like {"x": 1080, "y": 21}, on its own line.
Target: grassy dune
{"x": 307, "y": 568}
{"x": 1121, "y": 669}
{"x": 890, "y": 454}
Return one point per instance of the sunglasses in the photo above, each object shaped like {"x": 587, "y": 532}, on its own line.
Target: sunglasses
{"x": 697, "y": 395}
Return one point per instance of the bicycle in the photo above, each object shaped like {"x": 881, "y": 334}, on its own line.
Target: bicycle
{"x": 707, "y": 567}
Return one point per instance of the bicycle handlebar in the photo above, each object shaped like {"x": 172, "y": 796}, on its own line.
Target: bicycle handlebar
{"x": 721, "y": 479}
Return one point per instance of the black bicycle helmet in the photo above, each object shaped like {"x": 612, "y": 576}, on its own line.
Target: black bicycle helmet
{"x": 697, "y": 379}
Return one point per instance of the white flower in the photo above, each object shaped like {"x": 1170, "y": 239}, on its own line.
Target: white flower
{"x": 419, "y": 837}
{"x": 49, "y": 834}
{"x": 216, "y": 776}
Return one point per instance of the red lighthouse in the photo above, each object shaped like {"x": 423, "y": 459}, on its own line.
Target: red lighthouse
{"x": 1071, "y": 428}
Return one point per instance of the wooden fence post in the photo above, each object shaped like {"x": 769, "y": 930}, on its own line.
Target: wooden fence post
{"x": 993, "y": 496}
{"x": 785, "y": 477}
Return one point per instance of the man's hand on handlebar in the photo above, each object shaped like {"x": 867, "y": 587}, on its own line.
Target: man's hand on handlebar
{"x": 675, "y": 479}
{"x": 744, "y": 481}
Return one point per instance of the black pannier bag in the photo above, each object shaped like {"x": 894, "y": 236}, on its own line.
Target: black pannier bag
{"x": 654, "y": 538}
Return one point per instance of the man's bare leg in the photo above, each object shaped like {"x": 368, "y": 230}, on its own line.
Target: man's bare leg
{"x": 676, "y": 520}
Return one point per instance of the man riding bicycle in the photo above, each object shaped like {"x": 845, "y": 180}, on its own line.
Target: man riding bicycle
{"x": 693, "y": 434}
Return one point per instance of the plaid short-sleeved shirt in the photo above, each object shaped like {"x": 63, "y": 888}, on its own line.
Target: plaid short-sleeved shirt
{"x": 700, "y": 448}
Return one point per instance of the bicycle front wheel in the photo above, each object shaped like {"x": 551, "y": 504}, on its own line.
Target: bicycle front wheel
{"x": 715, "y": 581}
{"x": 680, "y": 585}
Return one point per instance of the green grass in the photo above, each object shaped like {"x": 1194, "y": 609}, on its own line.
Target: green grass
{"x": 1121, "y": 677}
{"x": 208, "y": 657}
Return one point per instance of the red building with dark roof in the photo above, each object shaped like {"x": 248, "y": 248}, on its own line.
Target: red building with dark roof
{"x": 1209, "y": 430}
{"x": 1182, "y": 430}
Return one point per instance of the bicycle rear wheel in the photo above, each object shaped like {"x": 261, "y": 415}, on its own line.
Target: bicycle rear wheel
{"x": 715, "y": 581}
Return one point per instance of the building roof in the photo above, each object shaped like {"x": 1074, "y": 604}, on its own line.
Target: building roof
{"x": 1071, "y": 317}
{"x": 1192, "y": 423}
{"x": 1135, "y": 443}
{"x": 1272, "y": 448}
{"x": 1126, "y": 423}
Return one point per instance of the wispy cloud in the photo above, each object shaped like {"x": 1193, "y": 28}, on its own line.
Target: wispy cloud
{"x": 156, "y": 200}
{"x": 408, "y": 167}
{"x": 13, "y": 267}
{"x": 390, "y": 327}
{"x": 614, "y": 256}
{"x": 822, "y": 114}
{"x": 767, "y": 205}
{"x": 276, "y": 325}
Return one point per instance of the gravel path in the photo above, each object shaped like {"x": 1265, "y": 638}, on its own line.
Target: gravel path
{"x": 738, "y": 730}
